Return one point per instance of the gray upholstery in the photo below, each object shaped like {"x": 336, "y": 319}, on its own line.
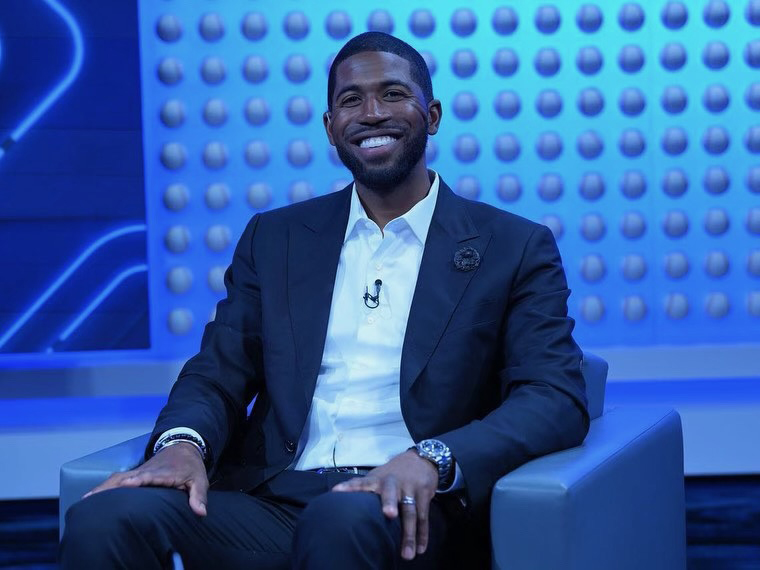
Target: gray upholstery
{"x": 617, "y": 501}
{"x": 81, "y": 475}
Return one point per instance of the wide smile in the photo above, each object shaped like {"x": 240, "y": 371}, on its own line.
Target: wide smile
{"x": 378, "y": 146}
{"x": 374, "y": 142}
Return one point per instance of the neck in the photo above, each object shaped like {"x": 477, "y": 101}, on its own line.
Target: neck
{"x": 382, "y": 206}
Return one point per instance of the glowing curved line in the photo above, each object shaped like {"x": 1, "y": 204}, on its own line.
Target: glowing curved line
{"x": 55, "y": 93}
{"x": 100, "y": 297}
{"x": 92, "y": 248}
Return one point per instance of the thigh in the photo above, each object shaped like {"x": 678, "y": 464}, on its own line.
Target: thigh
{"x": 239, "y": 531}
{"x": 349, "y": 530}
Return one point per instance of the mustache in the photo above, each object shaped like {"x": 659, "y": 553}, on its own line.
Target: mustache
{"x": 359, "y": 130}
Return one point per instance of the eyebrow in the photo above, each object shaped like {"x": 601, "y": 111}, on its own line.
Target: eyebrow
{"x": 382, "y": 85}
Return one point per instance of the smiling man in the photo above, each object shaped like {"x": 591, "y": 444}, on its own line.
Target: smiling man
{"x": 406, "y": 348}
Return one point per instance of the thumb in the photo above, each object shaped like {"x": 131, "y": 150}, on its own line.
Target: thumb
{"x": 199, "y": 495}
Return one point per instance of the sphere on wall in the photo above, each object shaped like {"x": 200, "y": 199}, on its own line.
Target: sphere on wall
{"x": 631, "y": 16}
{"x": 589, "y": 18}
{"x": 422, "y": 23}
{"x": 254, "y": 26}
{"x": 589, "y": 60}
{"x": 674, "y": 15}
{"x": 504, "y": 20}
{"x": 211, "y": 27}
{"x": 169, "y": 28}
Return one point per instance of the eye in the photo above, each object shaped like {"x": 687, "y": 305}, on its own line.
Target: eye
{"x": 394, "y": 94}
{"x": 350, "y": 101}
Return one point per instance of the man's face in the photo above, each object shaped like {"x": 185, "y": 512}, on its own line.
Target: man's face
{"x": 380, "y": 121}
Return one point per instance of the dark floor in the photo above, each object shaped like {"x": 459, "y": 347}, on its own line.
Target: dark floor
{"x": 723, "y": 522}
{"x": 722, "y": 527}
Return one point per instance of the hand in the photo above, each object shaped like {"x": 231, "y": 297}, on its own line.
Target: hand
{"x": 406, "y": 475}
{"x": 178, "y": 466}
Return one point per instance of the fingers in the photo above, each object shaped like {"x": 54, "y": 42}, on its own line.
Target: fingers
{"x": 175, "y": 467}
{"x": 386, "y": 487}
{"x": 390, "y": 493}
{"x": 137, "y": 478}
{"x": 198, "y": 493}
{"x": 423, "y": 524}
{"x": 413, "y": 512}
{"x": 368, "y": 483}
{"x": 114, "y": 481}
{"x": 197, "y": 486}
{"x": 409, "y": 522}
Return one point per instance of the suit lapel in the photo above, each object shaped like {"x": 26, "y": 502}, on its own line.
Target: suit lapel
{"x": 314, "y": 245}
{"x": 440, "y": 285}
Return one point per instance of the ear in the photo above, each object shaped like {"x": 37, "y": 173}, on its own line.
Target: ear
{"x": 435, "y": 112}
{"x": 327, "y": 122}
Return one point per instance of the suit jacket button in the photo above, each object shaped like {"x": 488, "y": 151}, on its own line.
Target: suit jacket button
{"x": 290, "y": 446}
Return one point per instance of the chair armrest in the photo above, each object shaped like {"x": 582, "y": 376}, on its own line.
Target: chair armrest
{"x": 617, "y": 501}
{"x": 81, "y": 475}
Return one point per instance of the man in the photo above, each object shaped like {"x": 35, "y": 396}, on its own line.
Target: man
{"x": 406, "y": 348}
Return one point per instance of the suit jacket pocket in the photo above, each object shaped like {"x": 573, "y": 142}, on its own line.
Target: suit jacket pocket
{"x": 470, "y": 316}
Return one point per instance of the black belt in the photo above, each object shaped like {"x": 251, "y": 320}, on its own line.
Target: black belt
{"x": 354, "y": 470}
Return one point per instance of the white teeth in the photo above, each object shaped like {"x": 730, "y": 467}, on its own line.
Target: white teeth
{"x": 376, "y": 141}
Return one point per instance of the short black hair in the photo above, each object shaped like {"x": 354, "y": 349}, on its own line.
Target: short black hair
{"x": 379, "y": 41}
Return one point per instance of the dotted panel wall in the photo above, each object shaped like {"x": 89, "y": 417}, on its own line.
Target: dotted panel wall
{"x": 630, "y": 129}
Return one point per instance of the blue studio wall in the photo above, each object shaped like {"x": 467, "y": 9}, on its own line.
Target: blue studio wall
{"x": 72, "y": 202}
{"x": 629, "y": 128}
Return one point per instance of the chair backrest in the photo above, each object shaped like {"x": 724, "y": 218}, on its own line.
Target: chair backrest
{"x": 594, "y": 371}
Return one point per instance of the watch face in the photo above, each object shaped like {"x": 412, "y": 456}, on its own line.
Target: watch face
{"x": 433, "y": 447}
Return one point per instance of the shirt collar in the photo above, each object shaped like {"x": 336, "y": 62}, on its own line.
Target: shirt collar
{"x": 418, "y": 218}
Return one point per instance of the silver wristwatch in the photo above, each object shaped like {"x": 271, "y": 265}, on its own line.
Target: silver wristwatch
{"x": 439, "y": 454}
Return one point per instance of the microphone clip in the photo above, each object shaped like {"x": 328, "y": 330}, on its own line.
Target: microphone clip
{"x": 372, "y": 301}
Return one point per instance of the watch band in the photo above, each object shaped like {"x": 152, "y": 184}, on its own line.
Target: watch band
{"x": 439, "y": 454}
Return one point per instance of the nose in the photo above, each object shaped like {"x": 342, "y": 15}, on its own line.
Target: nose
{"x": 374, "y": 110}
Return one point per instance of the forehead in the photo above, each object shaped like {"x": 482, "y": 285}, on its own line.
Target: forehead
{"x": 372, "y": 68}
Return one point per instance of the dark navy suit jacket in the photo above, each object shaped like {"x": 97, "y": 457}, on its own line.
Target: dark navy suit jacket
{"x": 488, "y": 365}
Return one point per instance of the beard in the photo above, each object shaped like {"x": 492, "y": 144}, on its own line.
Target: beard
{"x": 386, "y": 177}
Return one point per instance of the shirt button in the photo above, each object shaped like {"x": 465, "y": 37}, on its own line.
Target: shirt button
{"x": 379, "y": 266}
{"x": 370, "y": 320}
{"x": 340, "y": 437}
{"x": 290, "y": 447}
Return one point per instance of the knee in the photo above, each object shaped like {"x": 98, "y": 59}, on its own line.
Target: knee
{"x": 104, "y": 512}
{"x": 110, "y": 529}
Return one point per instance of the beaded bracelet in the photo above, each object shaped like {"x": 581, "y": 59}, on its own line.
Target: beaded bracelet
{"x": 179, "y": 438}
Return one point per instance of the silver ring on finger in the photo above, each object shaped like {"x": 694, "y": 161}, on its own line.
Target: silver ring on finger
{"x": 408, "y": 500}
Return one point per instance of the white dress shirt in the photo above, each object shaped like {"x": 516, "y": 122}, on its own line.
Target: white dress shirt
{"x": 355, "y": 416}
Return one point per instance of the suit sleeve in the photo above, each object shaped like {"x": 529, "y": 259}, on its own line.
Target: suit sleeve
{"x": 543, "y": 404}
{"x": 216, "y": 385}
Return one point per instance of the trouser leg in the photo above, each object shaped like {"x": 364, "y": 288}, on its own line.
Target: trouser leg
{"x": 349, "y": 530}
{"x": 140, "y": 528}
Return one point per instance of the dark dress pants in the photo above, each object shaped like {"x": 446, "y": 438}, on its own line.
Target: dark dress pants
{"x": 291, "y": 522}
